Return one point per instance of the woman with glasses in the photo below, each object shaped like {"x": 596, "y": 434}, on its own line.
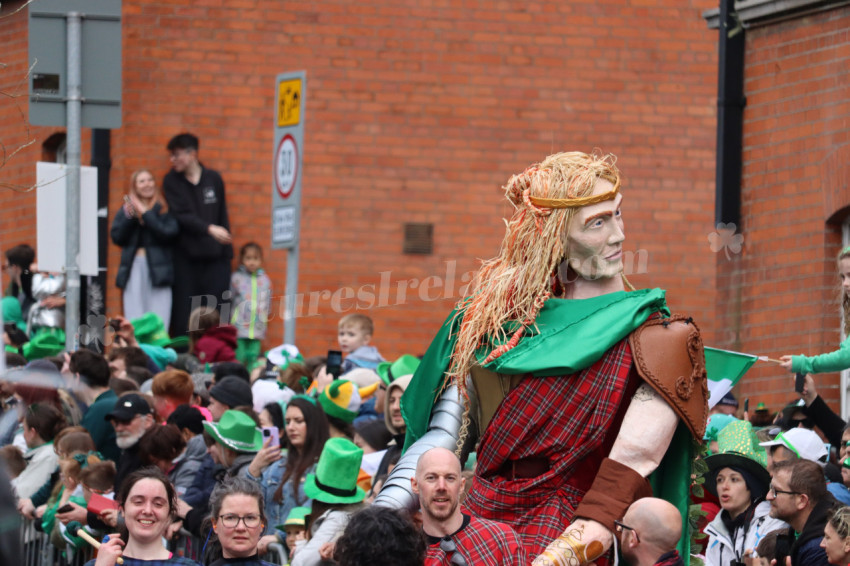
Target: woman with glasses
{"x": 836, "y": 536}
{"x": 238, "y": 521}
{"x": 738, "y": 476}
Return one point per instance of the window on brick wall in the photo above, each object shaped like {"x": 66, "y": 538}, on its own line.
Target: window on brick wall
{"x": 54, "y": 149}
{"x": 418, "y": 239}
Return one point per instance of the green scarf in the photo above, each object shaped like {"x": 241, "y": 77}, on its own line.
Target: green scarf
{"x": 586, "y": 329}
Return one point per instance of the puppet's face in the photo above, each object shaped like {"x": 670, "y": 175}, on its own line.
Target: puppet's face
{"x": 595, "y": 238}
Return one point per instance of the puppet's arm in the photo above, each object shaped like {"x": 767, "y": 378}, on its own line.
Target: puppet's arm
{"x": 668, "y": 355}
{"x": 644, "y": 436}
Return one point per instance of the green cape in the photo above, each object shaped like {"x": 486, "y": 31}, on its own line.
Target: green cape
{"x": 589, "y": 327}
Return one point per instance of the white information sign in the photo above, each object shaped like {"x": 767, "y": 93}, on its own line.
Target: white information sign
{"x": 51, "y": 188}
{"x": 283, "y": 224}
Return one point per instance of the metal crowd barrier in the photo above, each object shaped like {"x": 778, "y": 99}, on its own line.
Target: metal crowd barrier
{"x": 39, "y": 551}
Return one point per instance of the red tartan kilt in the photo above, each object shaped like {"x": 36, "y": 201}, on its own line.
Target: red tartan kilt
{"x": 538, "y": 519}
{"x": 570, "y": 420}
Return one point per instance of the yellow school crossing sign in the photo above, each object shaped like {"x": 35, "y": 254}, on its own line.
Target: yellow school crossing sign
{"x": 289, "y": 103}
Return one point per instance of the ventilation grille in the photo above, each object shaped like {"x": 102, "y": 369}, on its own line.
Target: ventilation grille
{"x": 418, "y": 239}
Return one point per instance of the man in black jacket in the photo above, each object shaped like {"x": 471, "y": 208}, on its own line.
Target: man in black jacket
{"x": 203, "y": 251}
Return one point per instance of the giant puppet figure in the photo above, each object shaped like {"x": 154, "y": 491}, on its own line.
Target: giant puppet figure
{"x": 572, "y": 382}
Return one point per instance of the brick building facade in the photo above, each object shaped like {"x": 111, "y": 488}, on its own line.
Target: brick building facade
{"x": 415, "y": 113}
{"x": 781, "y": 295}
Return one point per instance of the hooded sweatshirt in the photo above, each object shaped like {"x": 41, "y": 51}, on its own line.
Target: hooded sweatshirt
{"x": 217, "y": 345}
{"x": 397, "y": 443}
{"x": 363, "y": 357}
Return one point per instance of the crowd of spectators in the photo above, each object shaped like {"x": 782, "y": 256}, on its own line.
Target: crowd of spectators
{"x": 185, "y": 427}
{"x": 285, "y": 451}
{"x": 83, "y": 432}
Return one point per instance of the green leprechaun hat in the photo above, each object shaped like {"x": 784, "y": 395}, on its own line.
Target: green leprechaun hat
{"x": 341, "y": 399}
{"x": 738, "y": 447}
{"x": 335, "y": 480}
{"x": 150, "y": 329}
{"x": 46, "y": 343}
{"x": 237, "y": 431}
{"x": 390, "y": 371}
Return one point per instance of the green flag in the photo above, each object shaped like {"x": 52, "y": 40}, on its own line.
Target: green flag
{"x": 724, "y": 368}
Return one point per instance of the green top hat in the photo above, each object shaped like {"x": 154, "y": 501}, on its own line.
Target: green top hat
{"x": 237, "y": 431}
{"x": 47, "y": 342}
{"x": 738, "y": 447}
{"x": 335, "y": 480}
{"x": 297, "y": 518}
{"x": 390, "y": 371}
{"x": 150, "y": 329}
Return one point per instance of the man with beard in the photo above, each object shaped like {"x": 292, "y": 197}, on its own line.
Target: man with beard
{"x": 455, "y": 537}
{"x": 799, "y": 497}
{"x": 131, "y": 417}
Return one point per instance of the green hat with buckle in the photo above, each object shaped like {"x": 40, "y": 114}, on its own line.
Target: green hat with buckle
{"x": 390, "y": 371}
{"x": 335, "y": 480}
{"x": 237, "y": 431}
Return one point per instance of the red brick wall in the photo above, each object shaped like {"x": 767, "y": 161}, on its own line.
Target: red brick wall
{"x": 20, "y": 143}
{"x": 419, "y": 113}
{"x": 781, "y": 295}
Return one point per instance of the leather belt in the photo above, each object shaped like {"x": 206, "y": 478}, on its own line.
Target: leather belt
{"x": 524, "y": 468}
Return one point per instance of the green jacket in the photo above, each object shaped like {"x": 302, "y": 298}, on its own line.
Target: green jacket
{"x": 824, "y": 363}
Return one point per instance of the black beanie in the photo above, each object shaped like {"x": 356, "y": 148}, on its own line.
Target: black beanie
{"x": 758, "y": 489}
{"x": 233, "y": 392}
{"x": 186, "y": 416}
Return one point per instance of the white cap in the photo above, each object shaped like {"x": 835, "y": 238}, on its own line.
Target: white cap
{"x": 803, "y": 442}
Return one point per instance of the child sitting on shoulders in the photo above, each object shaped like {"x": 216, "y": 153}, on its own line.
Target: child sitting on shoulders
{"x": 355, "y": 332}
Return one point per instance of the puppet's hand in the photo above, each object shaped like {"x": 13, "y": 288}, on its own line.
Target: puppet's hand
{"x": 582, "y": 542}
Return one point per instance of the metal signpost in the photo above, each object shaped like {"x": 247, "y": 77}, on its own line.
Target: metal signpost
{"x": 75, "y": 50}
{"x": 286, "y": 183}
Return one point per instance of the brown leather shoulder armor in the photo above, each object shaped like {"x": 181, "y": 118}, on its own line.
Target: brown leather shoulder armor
{"x": 669, "y": 356}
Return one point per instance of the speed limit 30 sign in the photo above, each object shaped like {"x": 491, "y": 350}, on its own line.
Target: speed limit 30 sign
{"x": 286, "y": 166}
